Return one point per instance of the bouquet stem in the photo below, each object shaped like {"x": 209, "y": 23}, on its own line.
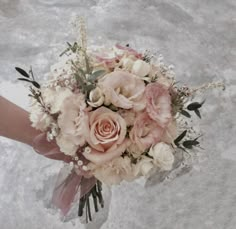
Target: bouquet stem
{"x": 84, "y": 204}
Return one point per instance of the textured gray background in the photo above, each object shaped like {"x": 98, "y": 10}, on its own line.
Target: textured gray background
{"x": 198, "y": 37}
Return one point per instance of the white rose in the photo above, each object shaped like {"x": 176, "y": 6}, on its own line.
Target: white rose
{"x": 162, "y": 156}
{"x": 143, "y": 167}
{"x": 141, "y": 68}
{"x": 96, "y": 97}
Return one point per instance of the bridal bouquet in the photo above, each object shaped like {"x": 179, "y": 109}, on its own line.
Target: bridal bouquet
{"x": 115, "y": 113}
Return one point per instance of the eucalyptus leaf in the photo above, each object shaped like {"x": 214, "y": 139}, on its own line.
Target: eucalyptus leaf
{"x": 22, "y": 72}
{"x": 23, "y": 79}
{"x": 96, "y": 74}
{"x": 185, "y": 113}
{"x": 180, "y": 137}
{"x": 69, "y": 44}
{"x": 190, "y": 143}
{"x": 197, "y": 112}
{"x": 36, "y": 84}
{"x": 194, "y": 106}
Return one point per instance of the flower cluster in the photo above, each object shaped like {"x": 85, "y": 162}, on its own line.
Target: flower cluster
{"x": 112, "y": 107}
{"x": 118, "y": 114}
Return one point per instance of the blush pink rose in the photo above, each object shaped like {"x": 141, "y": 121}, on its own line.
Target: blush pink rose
{"x": 106, "y": 136}
{"x": 123, "y": 90}
{"x": 158, "y": 104}
{"x": 145, "y": 132}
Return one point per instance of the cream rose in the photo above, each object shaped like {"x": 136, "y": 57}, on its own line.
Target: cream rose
{"x": 123, "y": 90}
{"x": 106, "y": 136}
{"x": 162, "y": 156}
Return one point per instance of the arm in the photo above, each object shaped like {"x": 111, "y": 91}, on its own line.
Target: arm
{"x": 15, "y": 123}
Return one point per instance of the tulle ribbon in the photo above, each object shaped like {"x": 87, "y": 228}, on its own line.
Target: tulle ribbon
{"x": 69, "y": 183}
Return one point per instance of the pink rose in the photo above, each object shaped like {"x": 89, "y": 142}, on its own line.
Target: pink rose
{"x": 158, "y": 103}
{"x": 123, "y": 89}
{"x": 145, "y": 132}
{"x": 106, "y": 136}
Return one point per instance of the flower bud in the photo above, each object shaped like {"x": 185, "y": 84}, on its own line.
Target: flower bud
{"x": 96, "y": 97}
{"x": 141, "y": 68}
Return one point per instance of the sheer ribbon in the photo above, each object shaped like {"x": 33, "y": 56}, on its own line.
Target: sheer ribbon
{"x": 68, "y": 185}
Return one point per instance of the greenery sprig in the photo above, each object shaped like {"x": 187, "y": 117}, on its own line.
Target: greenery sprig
{"x": 187, "y": 144}
{"x": 28, "y": 77}
{"x": 195, "y": 106}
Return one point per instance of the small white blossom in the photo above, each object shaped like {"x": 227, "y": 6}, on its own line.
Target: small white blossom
{"x": 87, "y": 149}
{"x": 80, "y": 162}
{"x": 85, "y": 168}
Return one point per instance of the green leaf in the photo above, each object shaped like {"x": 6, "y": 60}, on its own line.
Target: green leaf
{"x": 36, "y": 84}
{"x": 96, "y": 74}
{"x": 180, "y": 137}
{"x": 185, "y": 113}
{"x": 197, "y": 112}
{"x": 69, "y": 44}
{"x": 195, "y": 105}
{"x": 190, "y": 143}
{"x": 23, "y": 79}
{"x": 22, "y": 72}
